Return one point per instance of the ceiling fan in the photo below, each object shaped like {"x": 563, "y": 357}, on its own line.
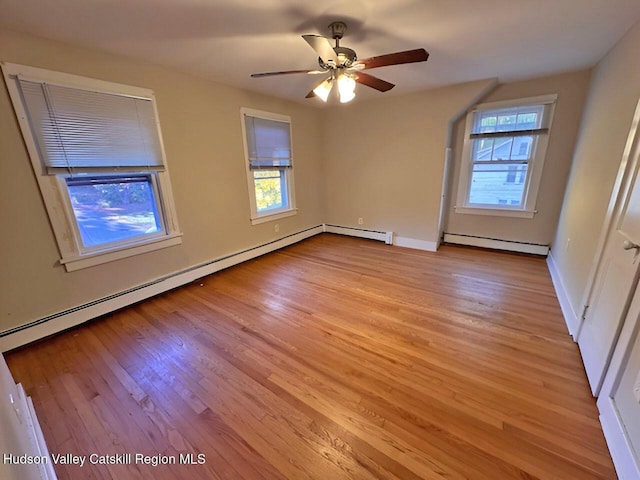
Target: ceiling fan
{"x": 345, "y": 69}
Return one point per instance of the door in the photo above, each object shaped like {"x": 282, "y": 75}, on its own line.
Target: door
{"x": 619, "y": 400}
{"x": 616, "y": 278}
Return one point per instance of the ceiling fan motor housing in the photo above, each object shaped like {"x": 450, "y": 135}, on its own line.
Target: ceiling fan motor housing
{"x": 346, "y": 58}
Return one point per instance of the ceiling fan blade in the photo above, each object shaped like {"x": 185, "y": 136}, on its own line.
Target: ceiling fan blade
{"x": 398, "y": 58}
{"x": 322, "y": 46}
{"x": 373, "y": 82}
{"x": 286, "y": 72}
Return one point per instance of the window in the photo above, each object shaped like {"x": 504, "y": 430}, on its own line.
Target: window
{"x": 97, "y": 153}
{"x": 114, "y": 209}
{"x": 503, "y": 155}
{"x": 269, "y": 165}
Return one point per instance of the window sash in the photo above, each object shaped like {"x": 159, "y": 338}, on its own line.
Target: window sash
{"x": 159, "y": 217}
{"x": 513, "y": 119}
{"x": 281, "y": 176}
{"x": 268, "y": 143}
{"x": 505, "y": 151}
{"x": 517, "y": 184}
{"x": 84, "y": 130}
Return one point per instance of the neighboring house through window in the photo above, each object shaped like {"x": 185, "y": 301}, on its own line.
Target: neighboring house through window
{"x": 97, "y": 153}
{"x": 503, "y": 156}
{"x": 269, "y": 165}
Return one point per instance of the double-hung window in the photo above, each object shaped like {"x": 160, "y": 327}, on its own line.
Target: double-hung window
{"x": 503, "y": 155}
{"x": 269, "y": 165}
{"x": 97, "y": 153}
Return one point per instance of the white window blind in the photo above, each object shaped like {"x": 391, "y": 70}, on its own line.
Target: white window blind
{"x": 83, "y": 130}
{"x": 268, "y": 143}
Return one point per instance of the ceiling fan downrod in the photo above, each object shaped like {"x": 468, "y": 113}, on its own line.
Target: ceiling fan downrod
{"x": 337, "y": 30}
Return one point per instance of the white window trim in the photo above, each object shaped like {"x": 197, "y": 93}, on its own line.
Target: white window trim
{"x": 52, "y": 186}
{"x": 527, "y": 210}
{"x": 275, "y": 214}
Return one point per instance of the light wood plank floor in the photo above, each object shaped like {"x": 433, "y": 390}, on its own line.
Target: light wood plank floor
{"x": 335, "y": 358}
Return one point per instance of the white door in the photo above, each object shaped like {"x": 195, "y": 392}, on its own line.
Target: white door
{"x": 616, "y": 278}
{"x": 619, "y": 400}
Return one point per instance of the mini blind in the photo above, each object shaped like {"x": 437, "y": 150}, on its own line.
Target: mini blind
{"x": 268, "y": 143}
{"x": 87, "y": 130}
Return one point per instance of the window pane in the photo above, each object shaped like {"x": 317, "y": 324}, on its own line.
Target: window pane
{"x": 497, "y": 184}
{"x": 488, "y": 124}
{"x": 482, "y": 149}
{"x": 521, "y": 148}
{"x": 109, "y": 210}
{"x": 506, "y": 123}
{"x": 508, "y": 119}
{"x": 527, "y": 121}
{"x": 502, "y": 149}
{"x": 270, "y": 187}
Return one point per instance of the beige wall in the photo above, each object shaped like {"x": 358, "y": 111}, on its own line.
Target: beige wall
{"x": 202, "y": 135}
{"x": 384, "y": 160}
{"x": 613, "y": 95}
{"x": 571, "y": 89}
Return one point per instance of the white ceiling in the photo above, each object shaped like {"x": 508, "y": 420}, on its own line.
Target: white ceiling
{"x": 226, "y": 40}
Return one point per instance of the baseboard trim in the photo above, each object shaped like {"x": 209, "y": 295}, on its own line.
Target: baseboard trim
{"x": 496, "y": 244}
{"x": 415, "y": 243}
{"x": 386, "y": 237}
{"x": 569, "y": 314}
{"x": 622, "y": 454}
{"x": 61, "y": 321}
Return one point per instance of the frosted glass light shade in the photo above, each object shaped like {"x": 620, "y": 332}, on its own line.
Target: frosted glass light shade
{"x": 324, "y": 89}
{"x": 346, "y": 88}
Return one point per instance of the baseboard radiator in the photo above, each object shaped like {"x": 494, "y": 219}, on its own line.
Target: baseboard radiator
{"x": 497, "y": 244}
{"x": 386, "y": 237}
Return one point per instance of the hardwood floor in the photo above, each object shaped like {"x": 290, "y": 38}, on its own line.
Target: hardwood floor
{"x": 335, "y": 358}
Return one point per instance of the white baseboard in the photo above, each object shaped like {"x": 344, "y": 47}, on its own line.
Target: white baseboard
{"x": 415, "y": 243}
{"x": 569, "y": 314}
{"x": 386, "y": 237}
{"x": 52, "y": 324}
{"x": 624, "y": 460}
{"x": 496, "y": 244}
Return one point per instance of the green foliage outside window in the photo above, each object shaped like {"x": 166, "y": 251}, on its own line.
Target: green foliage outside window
{"x": 268, "y": 185}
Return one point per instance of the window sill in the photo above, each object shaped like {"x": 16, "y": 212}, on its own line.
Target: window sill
{"x": 97, "y": 258}
{"x": 273, "y": 216}
{"x": 496, "y": 212}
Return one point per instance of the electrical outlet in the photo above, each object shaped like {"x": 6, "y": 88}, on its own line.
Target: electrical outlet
{"x": 636, "y": 389}
{"x": 276, "y": 228}
{"x": 360, "y": 221}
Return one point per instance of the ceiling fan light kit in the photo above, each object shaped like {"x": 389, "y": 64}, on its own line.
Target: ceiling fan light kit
{"x": 344, "y": 68}
{"x": 324, "y": 89}
{"x": 346, "y": 87}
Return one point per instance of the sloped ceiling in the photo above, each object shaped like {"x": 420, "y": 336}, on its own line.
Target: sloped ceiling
{"x": 227, "y": 40}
